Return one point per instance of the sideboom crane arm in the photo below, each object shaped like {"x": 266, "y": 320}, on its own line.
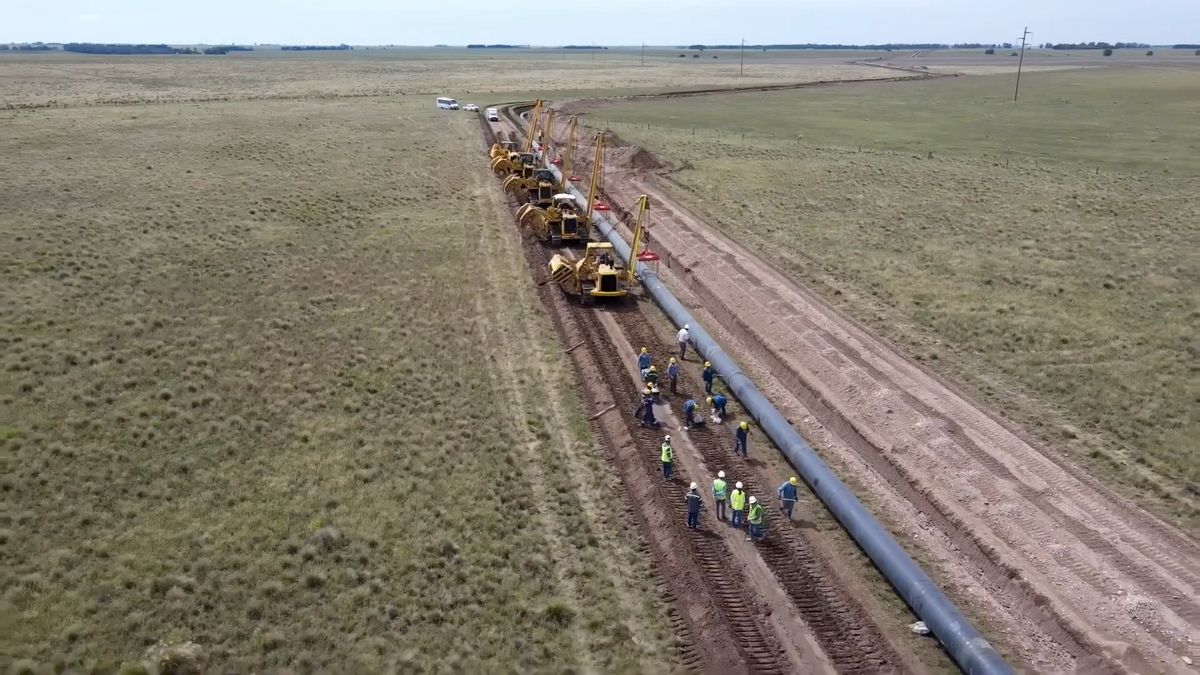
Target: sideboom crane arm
{"x": 639, "y": 234}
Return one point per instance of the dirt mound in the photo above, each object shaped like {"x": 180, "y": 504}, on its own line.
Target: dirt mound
{"x": 626, "y": 156}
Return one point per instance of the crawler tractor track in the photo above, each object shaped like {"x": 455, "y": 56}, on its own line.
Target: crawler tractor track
{"x": 849, "y": 637}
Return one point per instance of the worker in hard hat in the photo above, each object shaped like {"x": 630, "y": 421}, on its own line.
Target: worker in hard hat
{"x": 668, "y": 457}
{"x": 646, "y": 399}
{"x": 644, "y": 361}
{"x": 788, "y": 495}
{"x": 645, "y": 409}
{"x": 718, "y": 402}
{"x": 755, "y": 519}
{"x": 689, "y": 415}
{"x": 719, "y": 488}
{"x": 682, "y": 338}
{"x": 708, "y": 375}
{"x": 694, "y": 501}
{"x": 651, "y": 376}
{"x": 673, "y": 371}
{"x": 737, "y": 505}
{"x": 741, "y": 440}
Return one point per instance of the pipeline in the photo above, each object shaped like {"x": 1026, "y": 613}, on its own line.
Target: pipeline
{"x": 970, "y": 650}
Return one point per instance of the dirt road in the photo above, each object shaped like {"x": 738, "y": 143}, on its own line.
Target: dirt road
{"x": 1072, "y": 575}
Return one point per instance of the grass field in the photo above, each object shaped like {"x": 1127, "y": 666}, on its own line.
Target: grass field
{"x": 63, "y": 79}
{"x": 1043, "y": 253}
{"x": 274, "y": 396}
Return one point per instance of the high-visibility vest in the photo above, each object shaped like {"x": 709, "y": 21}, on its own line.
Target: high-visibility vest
{"x": 737, "y": 499}
{"x": 666, "y": 452}
{"x": 756, "y": 514}
{"x": 719, "y": 489}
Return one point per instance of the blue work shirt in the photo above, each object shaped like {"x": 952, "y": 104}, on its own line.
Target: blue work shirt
{"x": 673, "y": 371}
{"x": 688, "y": 406}
{"x": 742, "y": 434}
{"x": 643, "y": 361}
{"x": 787, "y": 491}
{"x": 708, "y": 374}
{"x": 719, "y": 402}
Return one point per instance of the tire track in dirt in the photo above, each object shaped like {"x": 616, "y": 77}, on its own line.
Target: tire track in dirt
{"x": 843, "y": 628}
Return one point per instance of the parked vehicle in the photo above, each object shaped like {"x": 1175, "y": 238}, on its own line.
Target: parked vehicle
{"x": 493, "y": 115}
{"x": 471, "y": 107}
{"x": 447, "y": 103}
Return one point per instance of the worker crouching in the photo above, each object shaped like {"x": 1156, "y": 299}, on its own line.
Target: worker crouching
{"x": 644, "y": 413}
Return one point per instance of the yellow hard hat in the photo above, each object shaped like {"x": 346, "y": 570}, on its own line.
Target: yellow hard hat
{"x": 708, "y": 400}
{"x": 647, "y": 392}
{"x": 793, "y": 481}
{"x": 672, "y": 359}
{"x": 643, "y": 350}
{"x": 654, "y": 369}
{"x": 744, "y": 426}
{"x": 707, "y": 364}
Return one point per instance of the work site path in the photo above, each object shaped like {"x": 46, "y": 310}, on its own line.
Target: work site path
{"x": 1113, "y": 583}
{"x": 568, "y": 503}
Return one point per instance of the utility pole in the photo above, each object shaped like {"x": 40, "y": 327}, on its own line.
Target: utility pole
{"x": 643, "y": 53}
{"x": 1020, "y": 62}
{"x": 742, "y": 61}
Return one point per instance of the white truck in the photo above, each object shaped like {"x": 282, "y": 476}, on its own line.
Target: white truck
{"x": 447, "y": 103}
{"x": 493, "y": 115}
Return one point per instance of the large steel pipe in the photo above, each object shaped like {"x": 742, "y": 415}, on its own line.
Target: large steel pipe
{"x": 966, "y": 646}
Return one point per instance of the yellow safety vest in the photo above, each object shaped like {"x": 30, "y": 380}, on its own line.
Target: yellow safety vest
{"x": 737, "y": 499}
{"x": 666, "y": 452}
{"x": 756, "y": 514}
{"x": 719, "y": 489}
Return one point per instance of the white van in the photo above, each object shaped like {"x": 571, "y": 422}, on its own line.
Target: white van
{"x": 447, "y": 103}
{"x": 493, "y": 115}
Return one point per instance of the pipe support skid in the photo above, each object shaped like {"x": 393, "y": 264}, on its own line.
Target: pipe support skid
{"x": 969, "y": 649}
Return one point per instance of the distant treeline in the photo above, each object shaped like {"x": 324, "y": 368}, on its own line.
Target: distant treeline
{"x": 583, "y": 47}
{"x": 35, "y": 47}
{"x": 810, "y": 45}
{"x": 1185, "y": 46}
{"x": 94, "y": 48}
{"x": 316, "y": 48}
{"x": 225, "y": 49}
{"x": 1098, "y": 45}
{"x": 483, "y": 46}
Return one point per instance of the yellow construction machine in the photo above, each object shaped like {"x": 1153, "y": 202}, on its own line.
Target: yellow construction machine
{"x": 600, "y": 273}
{"x": 560, "y": 220}
{"x": 538, "y": 189}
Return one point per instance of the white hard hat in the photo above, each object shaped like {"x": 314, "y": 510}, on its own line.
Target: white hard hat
{"x": 693, "y": 486}
{"x": 754, "y": 500}
{"x": 667, "y": 437}
{"x": 738, "y": 485}
{"x": 720, "y": 474}
{"x": 686, "y": 326}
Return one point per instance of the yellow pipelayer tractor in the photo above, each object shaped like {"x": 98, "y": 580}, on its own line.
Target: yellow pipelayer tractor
{"x": 600, "y": 273}
{"x": 508, "y": 158}
{"x": 561, "y": 220}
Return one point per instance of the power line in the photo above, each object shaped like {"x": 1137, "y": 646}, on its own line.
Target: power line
{"x": 1020, "y": 62}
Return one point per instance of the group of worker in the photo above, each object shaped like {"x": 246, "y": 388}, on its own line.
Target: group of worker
{"x": 734, "y": 501}
{"x": 734, "y": 506}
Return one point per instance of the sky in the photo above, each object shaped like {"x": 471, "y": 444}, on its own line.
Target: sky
{"x": 612, "y": 22}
